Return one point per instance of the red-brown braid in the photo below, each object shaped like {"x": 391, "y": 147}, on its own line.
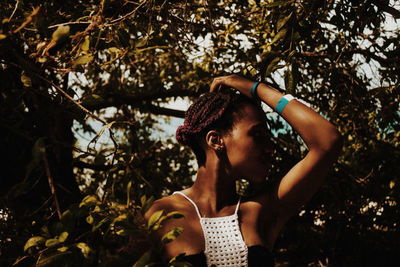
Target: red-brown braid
{"x": 210, "y": 110}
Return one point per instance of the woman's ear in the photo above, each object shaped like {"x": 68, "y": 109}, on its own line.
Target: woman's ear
{"x": 214, "y": 140}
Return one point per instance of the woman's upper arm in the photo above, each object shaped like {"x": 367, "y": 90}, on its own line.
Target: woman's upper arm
{"x": 304, "y": 179}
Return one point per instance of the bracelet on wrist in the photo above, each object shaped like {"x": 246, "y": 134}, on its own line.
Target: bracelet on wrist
{"x": 253, "y": 91}
{"x": 283, "y": 102}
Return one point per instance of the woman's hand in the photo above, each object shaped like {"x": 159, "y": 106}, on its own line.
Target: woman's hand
{"x": 234, "y": 81}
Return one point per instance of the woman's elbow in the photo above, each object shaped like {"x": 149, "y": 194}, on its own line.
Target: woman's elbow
{"x": 330, "y": 145}
{"x": 334, "y": 143}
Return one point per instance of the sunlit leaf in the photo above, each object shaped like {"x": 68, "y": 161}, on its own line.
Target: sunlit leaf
{"x": 154, "y": 218}
{"x": 143, "y": 260}
{"x": 128, "y": 192}
{"x": 282, "y": 22}
{"x": 272, "y": 66}
{"x": 101, "y": 223}
{"x": 120, "y": 218}
{"x": 278, "y": 3}
{"x": 52, "y": 242}
{"x": 56, "y": 258}
{"x": 147, "y": 204}
{"x": 89, "y": 200}
{"x": 89, "y": 219}
{"x": 34, "y": 241}
{"x": 86, "y": 44}
{"x": 63, "y": 236}
{"x": 280, "y": 35}
{"x": 63, "y": 249}
{"x": 26, "y": 80}
{"x": 61, "y": 33}
{"x": 82, "y": 60}
{"x": 85, "y": 249}
{"x": 172, "y": 235}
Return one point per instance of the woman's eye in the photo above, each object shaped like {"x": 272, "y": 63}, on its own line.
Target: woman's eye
{"x": 260, "y": 135}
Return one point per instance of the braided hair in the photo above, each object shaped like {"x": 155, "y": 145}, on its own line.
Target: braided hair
{"x": 214, "y": 110}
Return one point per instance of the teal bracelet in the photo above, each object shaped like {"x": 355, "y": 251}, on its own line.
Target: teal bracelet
{"x": 283, "y": 102}
{"x": 253, "y": 90}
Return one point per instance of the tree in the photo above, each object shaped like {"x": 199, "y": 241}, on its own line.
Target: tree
{"x": 67, "y": 64}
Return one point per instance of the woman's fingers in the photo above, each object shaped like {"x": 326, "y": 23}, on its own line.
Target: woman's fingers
{"x": 216, "y": 84}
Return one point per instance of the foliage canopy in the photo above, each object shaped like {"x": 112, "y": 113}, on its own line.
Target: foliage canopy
{"x": 67, "y": 64}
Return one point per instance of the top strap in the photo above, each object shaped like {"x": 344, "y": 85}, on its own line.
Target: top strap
{"x": 195, "y": 206}
{"x": 191, "y": 201}
{"x": 237, "y": 206}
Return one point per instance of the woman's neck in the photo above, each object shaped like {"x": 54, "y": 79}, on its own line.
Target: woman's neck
{"x": 213, "y": 189}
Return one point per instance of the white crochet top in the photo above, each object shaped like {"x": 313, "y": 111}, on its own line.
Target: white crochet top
{"x": 224, "y": 244}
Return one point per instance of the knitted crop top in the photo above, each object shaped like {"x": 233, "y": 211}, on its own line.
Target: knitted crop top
{"x": 224, "y": 244}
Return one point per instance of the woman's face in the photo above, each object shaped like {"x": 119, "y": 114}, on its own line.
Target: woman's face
{"x": 249, "y": 147}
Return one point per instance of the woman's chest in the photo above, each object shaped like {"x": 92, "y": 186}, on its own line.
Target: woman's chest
{"x": 197, "y": 232}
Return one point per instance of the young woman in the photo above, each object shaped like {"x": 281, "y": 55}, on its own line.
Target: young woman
{"x": 229, "y": 136}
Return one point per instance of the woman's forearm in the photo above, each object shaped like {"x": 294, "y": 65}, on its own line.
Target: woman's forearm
{"x": 318, "y": 133}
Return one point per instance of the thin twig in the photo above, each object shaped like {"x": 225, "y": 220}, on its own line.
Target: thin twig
{"x": 28, "y": 20}
{"x": 88, "y": 112}
{"x": 69, "y": 23}
{"x": 15, "y": 9}
{"x": 126, "y": 15}
{"x": 51, "y": 184}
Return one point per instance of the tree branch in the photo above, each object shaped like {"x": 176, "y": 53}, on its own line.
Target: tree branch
{"x": 96, "y": 167}
{"x": 166, "y": 111}
{"x": 388, "y": 9}
{"x": 118, "y": 99}
{"x": 381, "y": 60}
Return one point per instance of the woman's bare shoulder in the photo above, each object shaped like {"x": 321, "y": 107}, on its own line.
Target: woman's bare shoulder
{"x": 167, "y": 204}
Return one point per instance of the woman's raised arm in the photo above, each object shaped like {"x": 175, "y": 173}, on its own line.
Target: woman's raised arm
{"x": 321, "y": 137}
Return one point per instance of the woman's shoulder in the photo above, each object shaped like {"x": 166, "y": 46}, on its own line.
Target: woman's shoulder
{"x": 167, "y": 204}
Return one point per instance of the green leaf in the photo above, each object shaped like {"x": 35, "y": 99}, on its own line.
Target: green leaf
{"x": 279, "y": 3}
{"x": 143, "y": 199}
{"x": 175, "y": 215}
{"x": 128, "y": 193}
{"x": 82, "y": 60}
{"x": 143, "y": 260}
{"x": 121, "y": 232}
{"x": 85, "y": 249}
{"x": 57, "y": 258}
{"x": 34, "y": 241}
{"x": 86, "y": 44}
{"x": 26, "y": 80}
{"x": 172, "y": 235}
{"x": 52, "y": 242}
{"x": 89, "y": 219}
{"x": 289, "y": 81}
{"x": 61, "y": 33}
{"x": 94, "y": 99}
{"x": 272, "y": 66}
{"x": 146, "y": 205}
{"x": 154, "y": 218}
{"x": 142, "y": 42}
{"x": 63, "y": 236}
{"x": 63, "y": 249}
{"x": 120, "y": 218}
{"x": 280, "y": 35}
{"x": 282, "y": 22}
{"x": 103, "y": 221}
{"x": 114, "y": 50}
{"x": 89, "y": 200}
{"x": 67, "y": 219}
